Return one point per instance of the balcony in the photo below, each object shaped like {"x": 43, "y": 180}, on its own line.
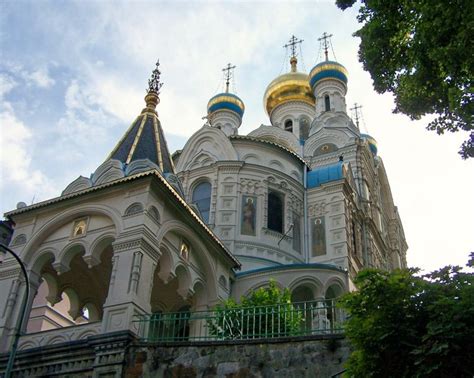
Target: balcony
{"x": 291, "y": 320}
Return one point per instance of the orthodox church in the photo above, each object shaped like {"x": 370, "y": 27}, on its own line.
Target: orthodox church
{"x": 304, "y": 200}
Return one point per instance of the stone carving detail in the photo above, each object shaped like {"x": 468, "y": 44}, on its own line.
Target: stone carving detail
{"x": 228, "y": 189}
{"x": 250, "y": 186}
{"x": 59, "y": 335}
{"x": 318, "y": 209}
{"x": 296, "y": 204}
{"x": 19, "y": 240}
{"x": 115, "y": 260}
{"x": 135, "y": 272}
{"x": 141, "y": 244}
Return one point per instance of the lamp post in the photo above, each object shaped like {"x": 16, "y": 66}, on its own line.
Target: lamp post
{"x": 19, "y": 326}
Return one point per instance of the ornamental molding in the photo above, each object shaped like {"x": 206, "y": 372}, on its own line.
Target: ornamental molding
{"x": 251, "y": 186}
{"x": 11, "y": 273}
{"x": 140, "y": 244}
{"x": 318, "y": 209}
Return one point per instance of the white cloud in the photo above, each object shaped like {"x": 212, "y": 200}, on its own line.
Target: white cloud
{"x": 84, "y": 122}
{"x": 7, "y": 83}
{"x": 41, "y": 78}
{"x": 19, "y": 179}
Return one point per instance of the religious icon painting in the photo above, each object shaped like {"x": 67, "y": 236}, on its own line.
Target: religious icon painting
{"x": 79, "y": 228}
{"x": 318, "y": 237}
{"x": 249, "y": 215}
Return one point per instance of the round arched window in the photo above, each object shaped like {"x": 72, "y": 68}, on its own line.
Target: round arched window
{"x": 289, "y": 125}
{"x": 202, "y": 199}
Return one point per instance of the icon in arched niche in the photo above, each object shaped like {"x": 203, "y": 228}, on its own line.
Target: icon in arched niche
{"x": 184, "y": 250}
{"x": 248, "y": 215}
{"x": 318, "y": 234}
{"x": 80, "y": 228}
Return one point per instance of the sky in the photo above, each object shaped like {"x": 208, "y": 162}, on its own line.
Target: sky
{"x": 73, "y": 76}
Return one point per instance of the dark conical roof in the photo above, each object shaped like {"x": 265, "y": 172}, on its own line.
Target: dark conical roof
{"x": 145, "y": 138}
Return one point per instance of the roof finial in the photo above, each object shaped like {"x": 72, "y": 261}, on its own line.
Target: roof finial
{"x": 228, "y": 74}
{"x": 293, "y": 41}
{"x": 356, "y": 109}
{"x": 154, "y": 86}
{"x": 325, "y": 41}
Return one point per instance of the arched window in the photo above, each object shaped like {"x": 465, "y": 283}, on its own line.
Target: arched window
{"x": 275, "y": 211}
{"x": 327, "y": 103}
{"x": 289, "y": 125}
{"x": 202, "y": 199}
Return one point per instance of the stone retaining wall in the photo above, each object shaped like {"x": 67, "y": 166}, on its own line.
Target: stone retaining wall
{"x": 303, "y": 358}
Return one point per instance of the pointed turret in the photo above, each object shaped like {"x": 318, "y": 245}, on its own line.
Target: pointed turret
{"x": 145, "y": 138}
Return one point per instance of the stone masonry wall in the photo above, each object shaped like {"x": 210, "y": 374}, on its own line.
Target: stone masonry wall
{"x": 303, "y": 358}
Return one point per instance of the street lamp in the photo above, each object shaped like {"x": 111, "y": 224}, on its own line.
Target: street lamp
{"x": 19, "y": 326}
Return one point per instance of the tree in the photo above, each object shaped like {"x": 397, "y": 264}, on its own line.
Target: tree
{"x": 267, "y": 312}
{"x": 421, "y": 51}
{"x": 404, "y": 325}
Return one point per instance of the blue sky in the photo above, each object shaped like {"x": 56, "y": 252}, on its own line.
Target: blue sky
{"x": 73, "y": 75}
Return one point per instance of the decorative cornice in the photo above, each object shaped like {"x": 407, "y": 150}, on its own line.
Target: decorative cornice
{"x": 136, "y": 244}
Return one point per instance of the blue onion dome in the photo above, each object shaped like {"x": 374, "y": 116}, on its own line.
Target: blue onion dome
{"x": 327, "y": 70}
{"x": 226, "y": 101}
{"x": 371, "y": 141}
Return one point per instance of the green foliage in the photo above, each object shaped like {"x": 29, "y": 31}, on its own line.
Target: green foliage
{"x": 403, "y": 325}
{"x": 421, "y": 51}
{"x": 267, "y": 312}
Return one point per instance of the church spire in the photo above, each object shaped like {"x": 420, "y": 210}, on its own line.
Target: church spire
{"x": 145, "y": 138}
{"x": 152, "y": 98}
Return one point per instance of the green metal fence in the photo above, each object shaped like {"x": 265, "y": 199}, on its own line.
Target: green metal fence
{"x": 265, "y": 322}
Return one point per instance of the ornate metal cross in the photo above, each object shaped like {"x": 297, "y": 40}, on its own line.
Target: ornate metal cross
{"x": 154, "y": 83}
{"x": 292, "y": 43}
{"x": 325, "y": 42}
{"x": 228, "y": 73}
{"x": 356, "y": 109}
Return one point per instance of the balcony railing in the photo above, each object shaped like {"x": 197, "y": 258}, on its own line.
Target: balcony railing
{"x": 250, "y": 323}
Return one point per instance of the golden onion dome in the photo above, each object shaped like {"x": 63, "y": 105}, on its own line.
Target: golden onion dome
{"x": 292, "y": 86}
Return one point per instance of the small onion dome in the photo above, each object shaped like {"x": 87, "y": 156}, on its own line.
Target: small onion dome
{"x": 226, "y": 101}
{"x": 292, "y": 86}
{"x": 327, "y": 70}
{"x": 371, "y": 141}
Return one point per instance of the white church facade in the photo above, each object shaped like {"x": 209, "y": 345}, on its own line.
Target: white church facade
{"x": 304, "y": 201}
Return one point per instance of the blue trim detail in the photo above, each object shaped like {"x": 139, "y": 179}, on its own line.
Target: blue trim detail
{"x": 289, "y": 267}
{"x": 228, "y": 106}
{"x": 334, "y": 74}
{"x": 325, "y": 174}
